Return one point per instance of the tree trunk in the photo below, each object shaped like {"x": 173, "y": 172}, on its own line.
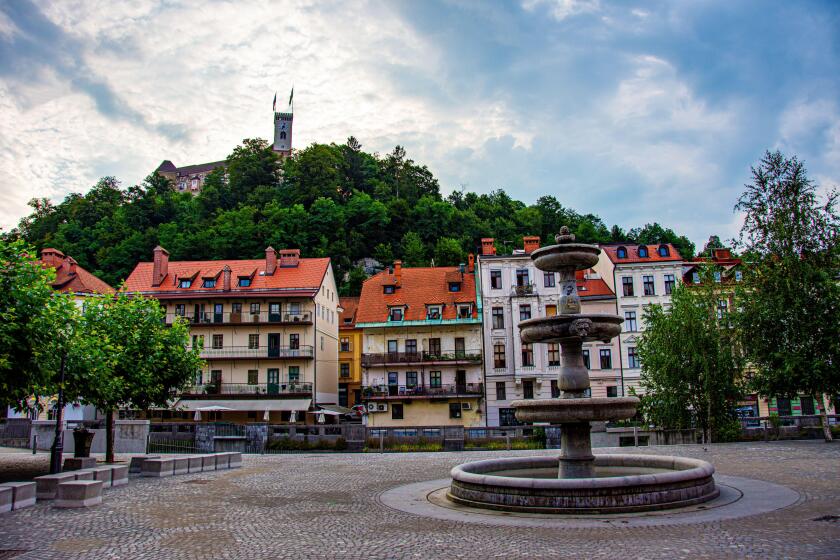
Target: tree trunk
{"x": 823, "y": 419}
{"x": 109, "y": 436}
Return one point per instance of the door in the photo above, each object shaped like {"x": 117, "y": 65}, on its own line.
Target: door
{"x": 392, "y": 350}
{"x": 460, "y": 348}
{"x": 461, "y": 381}
{"x": 273, "y": 379}
{"x": 274, "y": 345}
{"x": 393, "y": 384}
{"x": 218, "y": 312}
{"x": 273, "y": 312}
{"x": 196, "y": 313}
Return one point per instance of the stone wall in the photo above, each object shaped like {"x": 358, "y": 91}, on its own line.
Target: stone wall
{"x": 130, "y": 436}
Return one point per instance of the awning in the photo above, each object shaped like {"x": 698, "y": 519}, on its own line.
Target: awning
{"x": 271, "y": 405}
{"x": 333, "y": 409}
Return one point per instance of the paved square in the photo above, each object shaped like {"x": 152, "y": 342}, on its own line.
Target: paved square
{"x": 326, "y": 506}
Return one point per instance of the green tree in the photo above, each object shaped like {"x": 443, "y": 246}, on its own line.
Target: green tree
{"x": 147, "y": 361}
{"x": 655, "y": 233}
{"x": 413, "y": 251}
{"x": 448, "y": 252}
{"x": 791, "y": 298}
{"x": 690, "y": 360}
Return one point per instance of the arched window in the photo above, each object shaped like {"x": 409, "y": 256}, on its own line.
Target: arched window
{"x": 643, "y": 251}
{"x": 664, "y": 251}
{"x": 621, "y": 252}
{"x": 282, "y": 135}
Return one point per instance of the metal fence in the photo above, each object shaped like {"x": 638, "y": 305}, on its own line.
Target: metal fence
{"x": 164, "y": 443}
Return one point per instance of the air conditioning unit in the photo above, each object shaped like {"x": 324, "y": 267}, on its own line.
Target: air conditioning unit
{"x": 371, "y": 407}
{"x": 466, "y": 406}
{"x": 381, "y": 407}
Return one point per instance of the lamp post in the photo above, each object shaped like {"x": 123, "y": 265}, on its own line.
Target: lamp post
{"x": 57, "y": 448}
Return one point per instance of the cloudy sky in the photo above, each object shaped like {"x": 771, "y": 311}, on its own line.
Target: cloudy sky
{"x": 638, "y": 112}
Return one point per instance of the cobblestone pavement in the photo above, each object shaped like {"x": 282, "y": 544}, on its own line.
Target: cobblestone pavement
{"x": 325, "y": 506}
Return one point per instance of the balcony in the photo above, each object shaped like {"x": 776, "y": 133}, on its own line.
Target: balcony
{"x": 458, "y": 357}
{"x": 208, "y": 318}
{"x": 256, "y": 390}
{"x": 398, "y": 392}
{"x": 262, "y": 353}
{"x": 523, "y": 290}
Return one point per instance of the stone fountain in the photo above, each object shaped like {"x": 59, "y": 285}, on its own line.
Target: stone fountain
{"x": 578, "y": 481}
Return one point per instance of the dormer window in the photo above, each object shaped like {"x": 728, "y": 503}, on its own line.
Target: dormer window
{"x": 643, "y": 252}
{"x": 388, "y": 289}
{"x": 621, "y": 252}
{"x": 664, "y": 251}
{"x": 396, "y": 314}
{"x": 739, "y": 275}
{"x": 717, "y": 276}
{"x": 209, "y": 283}
{"x": 464, "y": 310}
{"x": 185, "y": 283}
{"x": 454, "y": 286}
{"x": 244, "y": 281}
{"x": 433, "y": 312}
{"x": 348, "y": 320}
{"x": 695, "y": 277}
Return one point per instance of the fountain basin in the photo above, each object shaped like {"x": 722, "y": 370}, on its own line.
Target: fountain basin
{"x": 577, "y": 256}
{"x": 587, "y": 328}
{"x": 557, "y": 411}
{"x": 625, "y": 483}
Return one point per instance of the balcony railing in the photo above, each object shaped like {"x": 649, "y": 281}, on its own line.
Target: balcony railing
{"x": 458, "y": 356}
{"x": 264, "y": 352}
{"x": 524, "y": 290}
{"x": 255, "y": 389}
{"x": 421, "y": 391}
{"x": 229, "y": 318}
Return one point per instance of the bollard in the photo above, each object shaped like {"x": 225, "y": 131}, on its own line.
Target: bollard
{"x": 35, "y": 444}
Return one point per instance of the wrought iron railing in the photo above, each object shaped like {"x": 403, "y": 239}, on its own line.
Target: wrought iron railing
{"x": 248, "y": 388}
{"x": 382, "y": 391}
{"x": 244, "y": 317}
{"x": 464, "y": 356}
{"x": 286, "y": 352}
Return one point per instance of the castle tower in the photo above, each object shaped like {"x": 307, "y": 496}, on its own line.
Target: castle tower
{"x": 283, "y": 130}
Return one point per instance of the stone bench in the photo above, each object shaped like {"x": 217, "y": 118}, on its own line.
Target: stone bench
{"x": 46, "y": 487}
{"x": 222, "y": 461}
{"x": 235, "y": 459}
{"x": 195, "y": 463}
{"x": 102, "y": 474}
{"x": 79, "y": 494}
{"x": 208, "y": 462}
{"x": 84, "y": 474}
{"x": 119, "y": 475}
{"x": 78, "y": 463}
{"x": 5, "y": 499}
{"x": 181, "y": 466}
{"x": 136, "y": 465}
{"x": 158, "y": 468}
{"x": 23, "y": 493}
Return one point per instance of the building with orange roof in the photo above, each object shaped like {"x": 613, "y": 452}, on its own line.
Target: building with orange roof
{"x": 640, "y": 275}
{"x": 421, "y": 356}
{"x": 514, "y": 290}
{"x": 349, "y": 353}
{"x": 267, "y": 328}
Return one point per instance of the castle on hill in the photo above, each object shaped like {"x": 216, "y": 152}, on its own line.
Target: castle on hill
{"x": 190, "y": 178}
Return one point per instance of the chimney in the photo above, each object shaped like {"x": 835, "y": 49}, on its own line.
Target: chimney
{"x": 289, "y": 258}
{"x": 488, "y": 246}
{"x": 161, "y": 266}
{"x": 398, "y": 271}
{"x": 531, "y": 243}
{"x": 52, "y": 257}
{"x": 71, "y": 266}
{"x": 270, "y": 260}
{"x": 721, "y": 254}
{"x": 226, "y": 278}
{"x": 471, "y": 263}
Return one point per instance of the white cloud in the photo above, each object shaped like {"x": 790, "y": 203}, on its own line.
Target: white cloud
{"x": 562, "y": 9}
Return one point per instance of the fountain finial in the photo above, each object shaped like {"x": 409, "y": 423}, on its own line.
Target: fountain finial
{"x": 565, "y": 236}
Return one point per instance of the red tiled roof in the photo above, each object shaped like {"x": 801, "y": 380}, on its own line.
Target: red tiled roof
{"x": 592, "y": 287}
{"x": 417, "y": 287}
{"x": 633, "y": 253}
{"x": 306, "y": 277}
{"x": 79, "y": 281}
{"x": 349, "y": 306}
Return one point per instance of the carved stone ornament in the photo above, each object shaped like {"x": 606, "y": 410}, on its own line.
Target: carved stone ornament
{"x": 565, "y": 236}
{"x": 580, "y": 327}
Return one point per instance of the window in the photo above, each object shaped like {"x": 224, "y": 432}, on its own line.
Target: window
{"x": 464, "y": 311}
{"x": 433, "y": 312}
{"x": 434, "y": 379}
{"x": 548, "y": 279}
{"x": 180, "y": 309}
{"x": 395, "y": 314}
{"x": 345, "y": 370}
{"x": 507, "y": 417}
{"x": 392, "y": 346}
{"x": 722, "y": 308}
{"x": 524, "y": 312}
{"x": 455, "y": 410}
{"x": 216, "y": 376}
{"x": 550, "y": 310}
{"x": 496, "y": 279}
{"x": 434, "y": 347}
{"x": 612, "y": 391}
{"x": 522, "y": 278}
{"x": 527, "y": 355}
{"x": 499, "y": 360}
{"x": 460, "y": 347}
{"x": 739, "y": 275}
{"x": 454, "y": 286}
{"x": 209, "y": 283}
{"x": 498, "y": 318}
{"x": 643, "y": 252}
{"x": 194, "y": 183}
{"x": 501, "y": 391}
{"x": 555, "y": 390}
{"x": 272, "y": 378}
{"x": 218, "y": 340}
{"x": 283, "y": 137}
{"x": 410, "y": 346}
{"x": 664, "y": 251}
{"x": 633, "y": 358}
{"x": 527, "y": 389}
{"x": 411, "y": 379}
{"x": 294, "y": 341}
{"x": 647, "y": 282}
{"x": 606, "y": 358}
{"x": 783, "y": 407}
{"x": 253, "y": 376}
{"x": 253, "y": 341}
{"x": 184, "y": 283}
{"x": 670, "y": 282}
{"x": 322, "y": 342}
{"x": 627, "y": 285}
{"x": 585, "y": 354}
{"x": 630, "y": 321}
{"x": 198, "y": 341}
{"x": 294, "y": 374}
{"x": 695, "y": 277}
{"x": 621, "y": 252}
{"x": 553, "y": 354}
{"x": 345, "y": 344}
{"x": 717, "y": 276}
{"x": 807, "y": 405}
{"x": 397, "y": 411}
{"x": 244, "y": 282}
{"x": 388, "y": 289}
{"x": 236, "y": 308}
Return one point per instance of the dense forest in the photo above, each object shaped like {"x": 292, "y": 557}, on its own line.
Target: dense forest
{"x": 328, "y": 200}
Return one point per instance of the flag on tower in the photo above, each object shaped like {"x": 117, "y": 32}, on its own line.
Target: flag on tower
{"x": 274, "y": 104}
{"x": 291, "y": 95}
